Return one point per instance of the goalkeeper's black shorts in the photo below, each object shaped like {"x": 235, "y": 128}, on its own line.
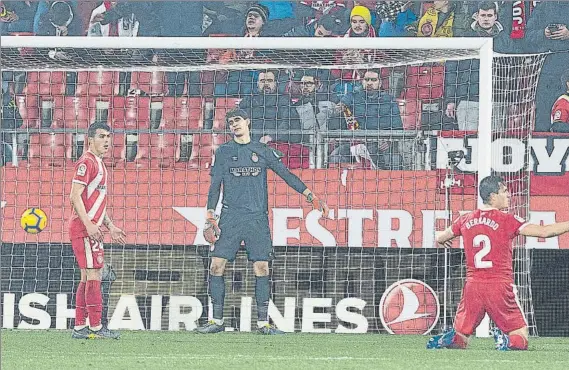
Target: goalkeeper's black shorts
{"x": 253, "y": 231}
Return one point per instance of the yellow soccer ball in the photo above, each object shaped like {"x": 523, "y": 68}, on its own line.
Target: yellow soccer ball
{"x": 33, "y": 220}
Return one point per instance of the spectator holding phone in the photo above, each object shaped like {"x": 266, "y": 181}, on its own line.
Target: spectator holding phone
{"x": 548, "y": 27}
{"x": 557, "y": 31}
{"x": 548, "y": 30}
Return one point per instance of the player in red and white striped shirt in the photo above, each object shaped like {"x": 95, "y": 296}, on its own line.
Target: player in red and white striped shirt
{"x": 89, "y": 199}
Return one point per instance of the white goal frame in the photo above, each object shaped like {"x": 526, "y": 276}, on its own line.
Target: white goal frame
{"x": 482, "y": 46}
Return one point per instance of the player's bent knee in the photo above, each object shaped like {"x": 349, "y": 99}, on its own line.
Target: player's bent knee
{"x": 217, "y": 267}
{"x": 261, "y": 268}
{"x": 522, "y": 332}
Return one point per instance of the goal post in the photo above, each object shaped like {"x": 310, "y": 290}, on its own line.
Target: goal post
{"x": 291, "y": 43}
{"x": 384, "y": 184}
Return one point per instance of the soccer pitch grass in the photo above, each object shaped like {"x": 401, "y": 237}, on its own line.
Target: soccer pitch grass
{"x": 185, "y": 350}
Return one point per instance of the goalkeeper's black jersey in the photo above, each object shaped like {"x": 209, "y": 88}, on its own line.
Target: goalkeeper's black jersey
{"x": 241, "y": 169}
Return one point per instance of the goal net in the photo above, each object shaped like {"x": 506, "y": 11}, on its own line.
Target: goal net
{"x": 392, "y": 133}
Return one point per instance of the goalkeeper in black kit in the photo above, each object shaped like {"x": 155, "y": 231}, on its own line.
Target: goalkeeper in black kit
{"x": 240, "y": 166}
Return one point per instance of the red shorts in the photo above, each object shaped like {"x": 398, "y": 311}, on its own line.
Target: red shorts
{"x": 89, "y": 253}
{"x": 498, "y": 300}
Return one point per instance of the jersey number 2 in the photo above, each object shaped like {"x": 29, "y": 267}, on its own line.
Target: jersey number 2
{"x": 482, "y": 241}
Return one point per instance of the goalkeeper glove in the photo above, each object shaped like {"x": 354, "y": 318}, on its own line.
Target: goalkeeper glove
{"x": 318, "y": 204}
{"x": 211, "y": 230}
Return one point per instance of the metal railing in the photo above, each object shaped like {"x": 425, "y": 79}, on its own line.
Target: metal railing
{"x": 414, "y": 147}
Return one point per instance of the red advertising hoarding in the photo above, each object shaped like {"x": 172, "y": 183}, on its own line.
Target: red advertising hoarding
{"x": 369, "y": 208}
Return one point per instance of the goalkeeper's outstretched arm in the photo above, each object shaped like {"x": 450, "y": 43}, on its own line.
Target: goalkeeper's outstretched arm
{"x": 294, "y": 182}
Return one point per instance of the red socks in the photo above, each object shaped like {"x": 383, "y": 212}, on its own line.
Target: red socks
{"x": 80, "y": 309}
{"x": 94, "y": 302}
{"x": 458, "y": 342}
{"x": 518, "y": 343}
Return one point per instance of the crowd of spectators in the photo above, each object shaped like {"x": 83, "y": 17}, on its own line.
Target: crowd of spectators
{"x": 507, "y": 22}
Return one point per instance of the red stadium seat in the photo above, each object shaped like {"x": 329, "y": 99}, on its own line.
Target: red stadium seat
{"x": 45, "y": 83}
{"x": 219, "y": 139}
{"x": 222, "y": 106}
{"x": 161, "y": 150}
{"x": 209, "y": 79}
{"x": 202, "y": 151}
{"x": 130, "y": 112}
{"x": 295, "y": 156}
{"x": 97, "y": 83}
{"x": 152, "y": 83}
{"x": 29, "y": 109}
{"x": 76, "y": 112}
{"x": 424, "y": 82}
{"x": 50, "y": 109}
{"x": 50, "y": 150}
{"x": 164, "y": 149}
{"x": 385, "y": 73}
{"x": 410, "y": 111}
{"x": 142, "y": 158}
{"x": 182, "y": 113}
{"x": 116, "y": 156}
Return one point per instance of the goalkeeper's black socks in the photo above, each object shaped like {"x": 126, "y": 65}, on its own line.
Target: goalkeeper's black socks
{"x": 262, "y": 295}
{"x": 217, "y": 293}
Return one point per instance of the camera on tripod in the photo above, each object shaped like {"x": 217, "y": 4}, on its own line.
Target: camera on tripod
{"x": 455, "y": 156}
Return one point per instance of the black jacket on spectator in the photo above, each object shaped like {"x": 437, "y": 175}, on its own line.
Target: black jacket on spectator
{"x": 227, "y": 18}
{"x": 180, "y": 18}
{"x": 302, "y": 31}
{"x": 462, "y": 81}
{"x": 550, "y": 85}
{"x": 373, "y": 111}
{"x": 544, "y": 14}
{"x": 46, "y": 28}
{"x": 271, "y": 112}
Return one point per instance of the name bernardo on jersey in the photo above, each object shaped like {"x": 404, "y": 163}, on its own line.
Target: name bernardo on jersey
{"x": 482, "y": 221}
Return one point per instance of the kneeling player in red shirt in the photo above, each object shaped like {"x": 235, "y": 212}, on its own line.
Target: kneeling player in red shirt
{"x": 487, "y": 234}
{"x": 89, "y": 197}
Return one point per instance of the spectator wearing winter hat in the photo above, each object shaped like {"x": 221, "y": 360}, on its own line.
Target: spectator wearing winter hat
{"x": 360, "y": 26}
{"x": 256, "y": 21}
{"x": 360, "y": 23}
